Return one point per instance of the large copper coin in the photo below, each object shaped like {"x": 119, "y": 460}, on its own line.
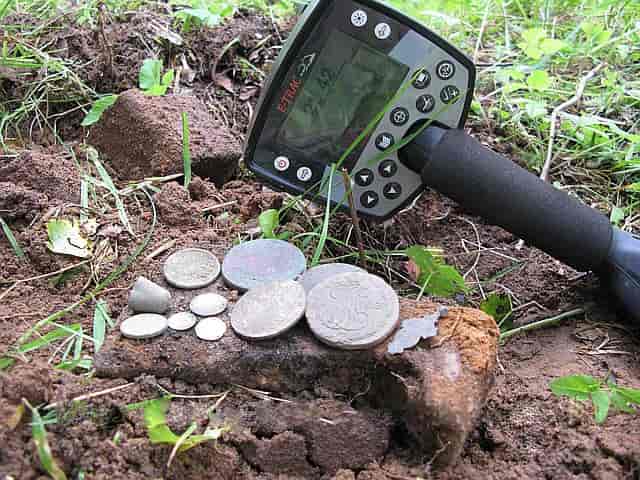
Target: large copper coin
{"x": 353, "y": 311}
{"x": 269, "y": 310}
{"x": 258, "y": 262}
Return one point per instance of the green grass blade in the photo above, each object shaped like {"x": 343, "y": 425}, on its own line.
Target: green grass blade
{"x": 186, "y": 152}
{"x": 12, "y": 239}
{"x": 100, "y": 320}
{"x": 42, "y": 445}
{"x": 106, "y": 179}
{"x": 325, "y": 224}
{"x": 4, "y": 7}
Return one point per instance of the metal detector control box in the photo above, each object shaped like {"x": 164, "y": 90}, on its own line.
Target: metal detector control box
{"x": 344, "y": 63}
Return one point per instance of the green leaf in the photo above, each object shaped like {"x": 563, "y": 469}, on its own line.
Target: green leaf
{"x": 106, "y": 179}
{"x": 98, "y": 108}
{"x": 601, "y": 402}
{"x": 575, "y": 386}
{"x": 435, "y": 277}
{"x": 617, "y": 215}
{"x": 535, "y": 109}
{"x": 42, "y": 445}
{"x": 150, "y": 73}
{"x": 167, "y": 78}
{"x": 65, "y": 238}
{"x": 549, "y": 46}
{"x": 6, "y": 362}
{"x": 631, "y": 395}
{"x": 269, "y": 220}
{"x": 621, "y": 403}
{"x": 100, "y": 320}
{"x": 186, "y": 151}
{"x": 499, "y": 307}
{"x": 539, "y": 80}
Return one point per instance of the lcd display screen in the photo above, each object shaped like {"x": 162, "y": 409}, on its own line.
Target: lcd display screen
{"x": 349, "y": 84}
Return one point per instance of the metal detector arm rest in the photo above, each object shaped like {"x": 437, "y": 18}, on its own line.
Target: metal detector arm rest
{"x": 493, "y": 187}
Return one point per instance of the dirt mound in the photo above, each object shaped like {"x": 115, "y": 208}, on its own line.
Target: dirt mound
{"x": 142, "y": 137}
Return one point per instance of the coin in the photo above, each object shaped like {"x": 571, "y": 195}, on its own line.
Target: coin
{"x": 268, "y": 310}
{"x": 208, "y": 304}
{"x": 191, "y": 268}
{"x": 262, "y": 261}
{"x": 317, "y": 275}
{"x": 211, "y": 329}
{"x": 353, "y": 311}
{"x": 182, "y": 321}
{"x": 144, "y": 325}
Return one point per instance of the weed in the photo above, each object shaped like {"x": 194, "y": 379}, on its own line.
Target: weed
{"x": 12, "y": 239}
{"x": 39, "y": 433}
{"x": 186, "y": 152}
{"x": 434, "y": 275}
{"x": 499, "y": 306}
{"x": 151, "y": 80}
{"x": 602, "y": 394}
{"x": 101, "y": 319}
{"x": 98, "y": 108}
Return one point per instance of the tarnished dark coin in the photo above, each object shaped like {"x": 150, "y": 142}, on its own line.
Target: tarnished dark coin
{"x": 268, "y": 310}
{"x": 144, "y": 325}
{"x": 211, "y": 329}
{"x": 191, "y": 268}
{"x": 353, "y": 311}
{"x": 258, "y": 262}
{"x": 317, "y": 275}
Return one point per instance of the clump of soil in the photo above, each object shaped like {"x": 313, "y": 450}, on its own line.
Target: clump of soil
{"x": 142, "y": 137}
{"x": 175, "y": 206}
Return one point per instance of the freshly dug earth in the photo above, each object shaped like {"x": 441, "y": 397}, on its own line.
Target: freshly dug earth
{"x": 524, "y": 432}
{"x": 142, "y": 137}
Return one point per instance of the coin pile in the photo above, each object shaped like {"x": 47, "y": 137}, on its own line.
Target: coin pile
{"x": 345, "y": 306}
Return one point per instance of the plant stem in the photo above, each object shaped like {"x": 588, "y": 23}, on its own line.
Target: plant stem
{"x": 542, "y": 323}
{"x": 354, "y": 217}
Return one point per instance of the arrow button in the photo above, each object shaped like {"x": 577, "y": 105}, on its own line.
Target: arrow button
{"x": 364, "y": 177}
{"x": 388, "y": 168}
{"x": 392, "y": 190}
{"x": 369, "y": 199}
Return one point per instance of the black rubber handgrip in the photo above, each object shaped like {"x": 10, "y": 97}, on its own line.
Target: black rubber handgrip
{"x": 493, "y": 187}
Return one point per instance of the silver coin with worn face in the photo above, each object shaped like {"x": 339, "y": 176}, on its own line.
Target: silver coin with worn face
{"x": 144, "y": 325}
{"x": 182, "y": 321}
{"x": 210, "y": 329}
{"x": 208, "y": 305}
{"x": 353, "y": 311}
{"x": 258, "y": 262}
{"x": 269, "y": 310}
{"x": 191, "y": 268}
{"x": 316, "y": 275}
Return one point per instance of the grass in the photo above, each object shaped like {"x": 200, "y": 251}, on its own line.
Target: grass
{"x": 15, "y": 246}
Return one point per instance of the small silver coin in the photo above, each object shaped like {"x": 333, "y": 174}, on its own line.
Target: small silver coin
{"x": 208, "y": 305}
{"x": 317, "y": 275}
{"x": 191, "y": 268}
{"x": 210, "y": 329}
{"x": 182, "y": 321}
{"x": 262, "y": 261}
{"x": 269, "y": 310}
{"x": 144, "y": 325}
{"x": 353, "y": 311}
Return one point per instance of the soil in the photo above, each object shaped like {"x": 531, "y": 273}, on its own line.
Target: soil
{"x": 524, "y": 431}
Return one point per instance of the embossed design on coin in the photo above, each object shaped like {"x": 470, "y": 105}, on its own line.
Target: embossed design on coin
{"x": 268, "y": 310}
{"x": 211, "y": 329}
{"x": 316, "y": 275}
{"x": 208, "y": 305}
{"x": 353, "y": 311}
{"x": 182, "y": 321}
{"x": 191, "y": 268}
{"x": 262, "y": 261}
{"x": 144, "y": 325}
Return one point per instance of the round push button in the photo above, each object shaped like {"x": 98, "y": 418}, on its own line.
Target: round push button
{"x": 392, "y": 190}
{"x": 399, "y": 116}
{"x": 425, "y": 103}
{"x": 281, "y": 164}
{"x": 304, "y": 174}
{"x": 359, "y": 18}
{"x": 388, "y": 168}
{"x": 450, "y": 94}
{"x": 384, "y": 141}
{"x": 382, "y": 31}
{"x": 421, "y": 79}
{"x": 445, "y": 70}
{"x": 364, "y": 177}
{"x": 369, "y": 199}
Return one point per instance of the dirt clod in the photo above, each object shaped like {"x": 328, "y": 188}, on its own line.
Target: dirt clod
{"x": 175, "y": 206}
{"x": 142, "y": 137}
